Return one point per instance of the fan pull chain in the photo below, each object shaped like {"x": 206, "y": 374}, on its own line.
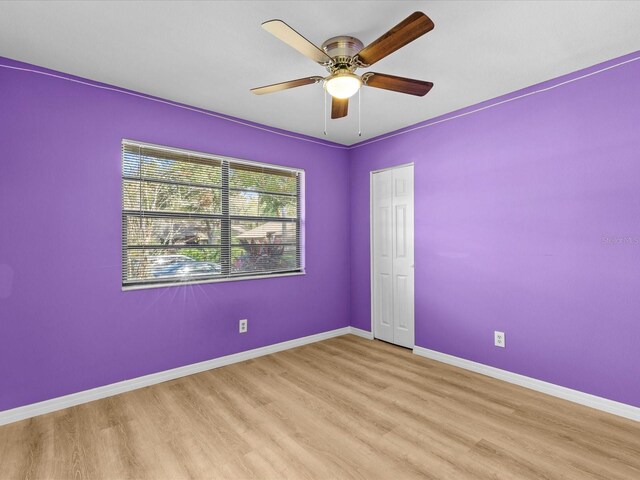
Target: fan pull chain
{"x": 325, "y": 112}
{"x": 359, "y": 110}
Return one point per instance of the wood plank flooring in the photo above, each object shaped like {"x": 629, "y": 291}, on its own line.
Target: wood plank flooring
{"x": 342, "y": 408}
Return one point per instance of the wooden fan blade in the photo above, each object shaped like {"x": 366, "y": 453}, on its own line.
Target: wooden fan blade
{"x": 288, "y": 35}
{"x": 412, "y": 27}
{"x": 276, "y": 87}
{"x": 339, "y": 107}
{"x": 398, "y": 84}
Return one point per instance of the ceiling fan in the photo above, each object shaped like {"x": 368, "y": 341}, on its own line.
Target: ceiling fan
{"x": 343, "y": 55}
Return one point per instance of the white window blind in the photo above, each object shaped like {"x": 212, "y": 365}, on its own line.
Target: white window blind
{"x": 189, "y": 216}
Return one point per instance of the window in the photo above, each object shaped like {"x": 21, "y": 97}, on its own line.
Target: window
{"x": 192, "y": 217}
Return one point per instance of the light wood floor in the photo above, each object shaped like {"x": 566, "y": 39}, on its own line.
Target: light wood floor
{"x": 343, "y": 408}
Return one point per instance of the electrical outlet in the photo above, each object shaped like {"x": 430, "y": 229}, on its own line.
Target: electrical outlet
{"x": 243, "y": 325}
{"x": 499, "y": 339}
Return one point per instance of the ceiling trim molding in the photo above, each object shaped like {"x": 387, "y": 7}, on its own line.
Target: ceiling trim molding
{"x": 418, "y": 126}
{"x": 453, "y": 116}
{"x": 89, "y": 83}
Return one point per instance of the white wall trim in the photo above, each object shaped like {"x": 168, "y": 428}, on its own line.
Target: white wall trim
{"x": 59, "y": 403}
{"x": 576, "y": 396}
{"x": 203, "y": 111}
{"x": 361, "y": 333}
{"x": 393, "y": 167}
{"x": 433, "y": 121}
{"x": 371, "y": 292}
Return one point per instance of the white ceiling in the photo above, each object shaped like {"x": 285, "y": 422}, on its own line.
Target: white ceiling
{"x": 209, "y": 54}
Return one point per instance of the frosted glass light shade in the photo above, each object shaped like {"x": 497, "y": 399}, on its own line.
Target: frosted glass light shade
{"x": 343, "y": 85}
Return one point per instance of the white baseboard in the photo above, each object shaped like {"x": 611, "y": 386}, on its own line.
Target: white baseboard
{"x": 361, "y": 333}
{"x": 47, "y": 406}
{"x": 59, "y": 403}
{"x": 576, "y": 396}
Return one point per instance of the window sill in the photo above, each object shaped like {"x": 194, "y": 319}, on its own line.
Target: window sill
{"x": 126, "y": 288}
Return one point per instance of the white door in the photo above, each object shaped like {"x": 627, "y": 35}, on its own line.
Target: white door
{"x": 382, "y": 251}
{"x": 392, "y": 256}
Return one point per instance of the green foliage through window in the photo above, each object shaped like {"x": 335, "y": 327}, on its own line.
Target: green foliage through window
{"x": 189, "y": 216}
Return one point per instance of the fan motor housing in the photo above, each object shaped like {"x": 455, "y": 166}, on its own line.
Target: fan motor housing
{"x": 342, "y": 48}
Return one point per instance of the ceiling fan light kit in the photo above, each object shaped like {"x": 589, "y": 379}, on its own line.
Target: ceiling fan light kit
{"x": 342, "y": 84}
{"x": 343, "y": 55}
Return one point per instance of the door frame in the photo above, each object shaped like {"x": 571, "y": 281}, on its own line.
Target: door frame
{"x": 371, "y": 303}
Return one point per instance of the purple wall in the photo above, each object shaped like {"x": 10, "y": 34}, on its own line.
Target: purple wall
{"x": 514, "y": 206}
{"x": 515, "y": 209}
{"x": 65, "y": 324}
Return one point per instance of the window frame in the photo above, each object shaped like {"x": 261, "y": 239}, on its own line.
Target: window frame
{"x": 226, "y": 219}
